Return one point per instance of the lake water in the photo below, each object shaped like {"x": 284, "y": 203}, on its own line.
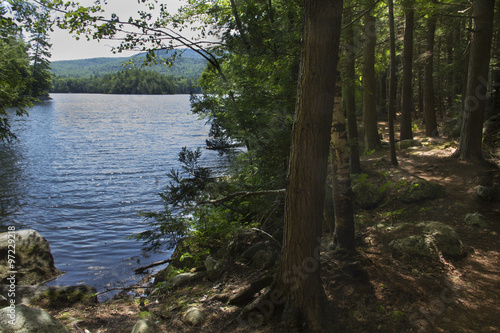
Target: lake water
{"x": 84, "y": 166}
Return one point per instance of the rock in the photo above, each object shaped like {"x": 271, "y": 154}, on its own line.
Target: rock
{"x": 176, "y": 262}
{"x": 476, "y": 219}
{"x": 444, "y": 238}
{"x": 29, "y": 320}
{"x": 263, "y": 259}
{"x": 184, "y": 278}
{"x": 486, "y": 193}
{"x": 412, "y": 245}
{"x": 238, "y": 243}
{"x": 260, "y": 255}
{"x": 491, "y": 136}
{"x": 421, "y": 190}
{"x": 193, "y": 316}
{"x": 214, "y": 268}
{"x": 431, "y": 238}
{"x": 144, "y": 326}
{"x": 53, "y": 295}
{"x": 366, "y": 195}
{"x": 252, "y": 250}
{"x": 405, "y": 144}
{"x": 34, "y": 262}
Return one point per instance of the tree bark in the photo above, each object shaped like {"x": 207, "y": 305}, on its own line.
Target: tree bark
{"x": 470, "y": 143}
{"x": 369, "y": 84}
{"x": 392, "y": 85}
{"x": 407, "y": 93}
{"x": 342, "y": 192}
{"x": 431, "y": 129}
{"x": 298, "y": 288}
{"x": 349, "y": 84}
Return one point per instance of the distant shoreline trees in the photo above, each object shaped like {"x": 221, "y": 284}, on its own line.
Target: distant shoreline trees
{"x": 130, "y": 81}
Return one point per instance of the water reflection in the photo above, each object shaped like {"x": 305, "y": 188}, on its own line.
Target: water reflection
{"x": 82, "y": 169}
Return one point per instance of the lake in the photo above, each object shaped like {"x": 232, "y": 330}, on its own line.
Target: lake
{"x": 84, "y": 166}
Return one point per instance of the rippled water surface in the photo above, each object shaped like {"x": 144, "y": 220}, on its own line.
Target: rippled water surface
{"x": 84, "y": 166}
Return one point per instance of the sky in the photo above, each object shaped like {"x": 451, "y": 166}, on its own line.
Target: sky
{"x": 65, "y": 47}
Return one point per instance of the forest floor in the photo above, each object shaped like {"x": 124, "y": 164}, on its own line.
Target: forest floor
{"x": 370, "y": 291}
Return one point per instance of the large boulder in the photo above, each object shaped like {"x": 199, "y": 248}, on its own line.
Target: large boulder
{"x": 422, "y": 190}
{"x": 24, "y": 319}
{"x": 414, "y": 245}
{"x": 443, "y": 237}
{"x": 367, "y": 195}
{"x": 429, "y": 240}
{"x": 33, "y": 260}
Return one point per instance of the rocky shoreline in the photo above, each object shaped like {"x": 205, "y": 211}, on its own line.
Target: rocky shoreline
{"x": 218, "y": 287}
{"x": 24, "y": 301}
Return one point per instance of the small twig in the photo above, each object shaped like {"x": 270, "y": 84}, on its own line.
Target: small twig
{"x": 142, "y": 269}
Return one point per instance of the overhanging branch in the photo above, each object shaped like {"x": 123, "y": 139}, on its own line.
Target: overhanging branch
{"x": 241, "y": 195}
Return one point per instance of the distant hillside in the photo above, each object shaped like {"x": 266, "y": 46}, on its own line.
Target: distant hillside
{"x": 189, "y": 65}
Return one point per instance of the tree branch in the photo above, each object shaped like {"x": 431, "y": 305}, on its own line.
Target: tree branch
{"x": 142, "y": 269}
{"x": 242, "y": 195}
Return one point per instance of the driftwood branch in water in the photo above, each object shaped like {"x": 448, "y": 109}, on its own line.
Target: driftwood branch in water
{"x": 142, "y": 269}
{"x": 241, "y": 195}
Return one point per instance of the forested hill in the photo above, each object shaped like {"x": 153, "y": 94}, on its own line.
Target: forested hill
{"x": 189, "y": 65}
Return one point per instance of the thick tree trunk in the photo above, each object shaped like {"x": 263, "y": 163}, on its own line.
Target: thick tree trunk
{"x": 369, "y": 84}
{"x": 342, "y": 191}
{"x": 392, "y": 85}
{"x": 407, "y": 93}
{"x": 298, "y": 290}
{"x": 470, "y": 144}
{"x": 429, "y": 108}
{"x": 349, "y": 84}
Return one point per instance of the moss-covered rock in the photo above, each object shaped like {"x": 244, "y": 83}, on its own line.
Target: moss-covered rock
{"x": 33, "y": 260}
{"x": 422, "y": 190}
{"x": 429, "y": 239}
{"x": 29, "y": 320}
{"x": 367, "y": 195}
{"x": 405, "y": 144}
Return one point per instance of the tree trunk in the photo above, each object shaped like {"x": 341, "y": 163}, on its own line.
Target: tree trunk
{"x": 407, "y": 93}
{"x": 342, "y": 191}
{"x": 298, "y": 289}
{"x": 369, "y": 84}
{"x": 429, "y": 108}
{"x": 470, "y": 144}
{"x": 349, "y": 84}
{"x": 239, "y": 25}
{"x": 392, "y": 85}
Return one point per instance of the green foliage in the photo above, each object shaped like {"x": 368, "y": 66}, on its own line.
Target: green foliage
{"x": 130, "y": 81}
{"x": 15, "y": 75}
{"x": 207, "y": 225}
